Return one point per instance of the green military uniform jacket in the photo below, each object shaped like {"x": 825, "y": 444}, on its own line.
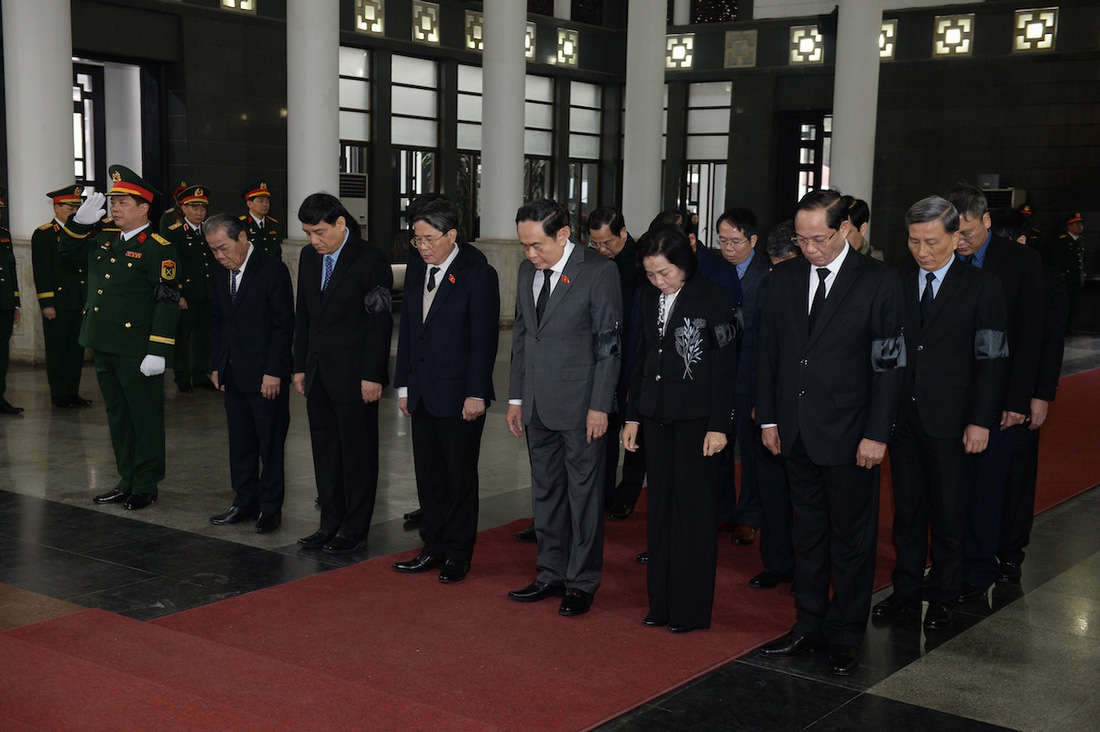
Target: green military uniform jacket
{"x": 169, "y": 217}
{"x": 133, "y": 290}
{"x": 9, "y": 281}
{"x": 61, "y": 282}
{"x": 195, "y": 262}
{"x": 269, "y": 238}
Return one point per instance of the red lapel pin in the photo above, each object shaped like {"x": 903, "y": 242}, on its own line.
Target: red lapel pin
{"x": 451, "y": 277}
{"x": 565, "y": 279}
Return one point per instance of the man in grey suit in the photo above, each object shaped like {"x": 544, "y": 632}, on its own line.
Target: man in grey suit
{"x": 565, "y": 365}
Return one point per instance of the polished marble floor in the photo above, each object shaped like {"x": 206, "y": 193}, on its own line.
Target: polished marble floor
{"x": 1026, "y": 658}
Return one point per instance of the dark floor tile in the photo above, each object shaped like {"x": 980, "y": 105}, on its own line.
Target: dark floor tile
{"x": 154, "y": 597}
{"x": 868, "y": 712}
{"x": 75, "y": 529}
{"x": 738, "y": 696}
{"x": 58, "y": 573}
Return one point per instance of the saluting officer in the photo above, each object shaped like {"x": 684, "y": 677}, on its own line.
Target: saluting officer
{"x": 130, "y": 323}
{"x": 263, "y": 230}
{"x": 173, "y": 215}
{"x": 192, "y": 356}
{"x": 61, "y": 283}
{"x": 9, "y": 304}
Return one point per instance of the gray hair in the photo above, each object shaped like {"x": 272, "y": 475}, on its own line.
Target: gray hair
{"x": 230, "y": 225}
{"x": 440, "y": 214}
{"x": 934, "y": 208}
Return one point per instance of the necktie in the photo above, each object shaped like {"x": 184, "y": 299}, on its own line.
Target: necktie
{"x": 661, "y": 316}
{"x": 233, "y": 284}
{"x": 544, "y": 295}
{"x": 431, "y": 278}
{"x": 926, "y": 297}
{"x": 328, "y": 271}
{"x": 819, "y": 295}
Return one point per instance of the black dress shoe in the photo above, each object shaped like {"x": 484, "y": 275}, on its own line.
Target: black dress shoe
{"x": 115, "y": 496}
{"x": 268, "y": 521}
{"x": 680, "y": 628}
{"x": 842, "y": 660}
{"x": 234, "y": 515}
{"x": 537, "y": 591}
{"x": 619, "y": 511}
{"x": 789, "y": 646}
{"x": 651, "y": 622}
{"x": 134, "y": 501}
{"x": 895, "y": 606}
{"x": 453, "y": 570}
{"x": 186, "y": 388}
{"x": 78, "y": 401}
{"x": 576, "y": 602}
{"x": 527, "y": 534}
{"x": 938, "y": 616}
{"x": 768, "y": 579}
{"x": 1009, "y": 573}
{"x": 414, "y": 517}
{"x": 342, "y": 544}
{"x": 6, "y": 408}
{"x": 317, "y": 539}
{"x": 970, "y": 593}
{"x": 642, "y": 558}
{"x": 208, "y": 385}
{"x": 64, "y": 402}
{"x": 422, "y": 562}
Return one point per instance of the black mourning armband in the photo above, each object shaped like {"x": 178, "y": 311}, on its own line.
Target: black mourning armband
{"x": 888, "y": 353}
{"x": 607, "y": 343}
{"x": 378, "y": 300}
{"x": 164, "y": 292}
{"x": 990, "y": 344}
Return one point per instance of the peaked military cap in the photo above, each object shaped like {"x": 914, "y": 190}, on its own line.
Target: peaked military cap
{"x": 68, "y": 194}
{"x": 193, "y": 194}
{"x": 1073, "y": 218}
{"x": 255, "y": 188}
{"x": 126, "y": 182}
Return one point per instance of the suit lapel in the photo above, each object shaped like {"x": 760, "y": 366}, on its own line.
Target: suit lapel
{"x": 849, "y": 272}
{"x": 565, "y": 282}
{"x": 446, "y": 285}
{"x": 951, "y": 287}
{"x": 912, "y": 302}
{"x": 343, "y": 264}
{"x": 255, "y": 266}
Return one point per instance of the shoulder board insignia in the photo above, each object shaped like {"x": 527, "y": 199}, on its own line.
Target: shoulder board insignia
{"x": 157, "y": 237}
{"x": 242, "y": 217}
{"x": 175, "y": 226}
{"x": 47, "y": 227}
{"x": 135, "y": 255}
{"x": 272, "y": 219}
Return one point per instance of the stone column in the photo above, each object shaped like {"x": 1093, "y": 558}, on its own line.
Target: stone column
{"x": 503, "y": 70}
{"x": 38, "y": 82}
{"x": 681, "y": 12}
{"x": 563, "y": 9}
{"x": 645, "y": 79}
{"x": 313, "y": 101}
{"x": 855, "y": 97}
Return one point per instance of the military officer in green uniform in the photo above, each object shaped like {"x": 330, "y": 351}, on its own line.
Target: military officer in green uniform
{"x": 191, "y": 359}
{"x": 9, "y": 303}
{"x": 130, "y": 322}
{"x": 61, "y": 285}
{"x": 1068, "y": 254}
{"x": 173, "y": 214}
{"x": 263, "y": 231}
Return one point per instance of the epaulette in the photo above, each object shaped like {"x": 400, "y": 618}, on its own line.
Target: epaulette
{"x": 163, "y": 242}
{"x": 242, "y": 217}
{"x": 175, "y": 226}
{"x": 46, "y": 227}
{"x": 272, "y": 219}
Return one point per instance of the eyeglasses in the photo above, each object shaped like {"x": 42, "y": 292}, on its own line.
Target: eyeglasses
{"x": 972, "y": 233}
{"x": 603, "y": 245}
{"x": 731, "y": 243}
{"x": 423, "y": 241}
{"x": 817, "y": 241}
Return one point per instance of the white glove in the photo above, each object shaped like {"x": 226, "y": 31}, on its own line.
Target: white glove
{"x": 92, "y": 210}
{"x": 152, "y": 365}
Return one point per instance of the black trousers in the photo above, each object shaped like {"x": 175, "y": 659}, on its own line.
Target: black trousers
{"x": 987, "y": 491}
{"x": 344, "y": 436}
{"x": 1018, "y": 511}
{"x": 835, "y": 535}
{"x": 64, "y": 354}
{"x": 445, "y": 457}
{"x": 931, "y": 487}
{"x": 257, "y": 436}
{"x": 682, "y": 533}
{"x": 630, "y": 487}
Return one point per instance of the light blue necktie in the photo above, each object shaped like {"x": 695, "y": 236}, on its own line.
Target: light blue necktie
{"x": 328, "y": 272}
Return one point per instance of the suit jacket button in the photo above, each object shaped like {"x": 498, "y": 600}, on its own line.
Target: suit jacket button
{"x": 421, "y": 359}
{"x": 804, "y": 362}
{"x": 802, "y": 393}
{"x": 660, "y": 351}
{"x": 920, "y": 348}
{"x": 657, "y": 377}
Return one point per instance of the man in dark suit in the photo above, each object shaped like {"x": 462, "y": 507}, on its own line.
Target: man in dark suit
{"x": 1020, "y": 271}
{"x": 446, "y": 348}
{"x": 1018, "y": 513}
{"x": 607, "y": 234}
{"x": 957, "y": 352}
{"x": 827, "y": 383}
{"x": 565, "y": 365}
{"x": 253, "y": 328}
{"x": 764, "y": 500}
{"x": 341, "y": 354}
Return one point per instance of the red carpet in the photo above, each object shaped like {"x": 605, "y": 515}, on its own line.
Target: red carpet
{"x": 365, "y": 647}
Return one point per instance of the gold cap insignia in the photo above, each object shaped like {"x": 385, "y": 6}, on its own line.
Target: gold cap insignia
{"x": 116, "y": 177}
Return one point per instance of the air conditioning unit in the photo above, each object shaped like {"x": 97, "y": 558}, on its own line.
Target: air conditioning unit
{"x": 353, "y": 194}
{"x": 1005, "y": 198}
